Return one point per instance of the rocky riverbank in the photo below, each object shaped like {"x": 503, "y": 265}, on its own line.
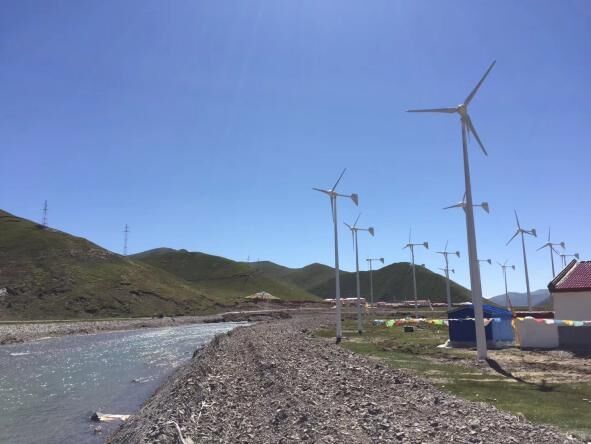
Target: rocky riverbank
{"x": 273, "y": 382}
{"x": 27, "y": 331}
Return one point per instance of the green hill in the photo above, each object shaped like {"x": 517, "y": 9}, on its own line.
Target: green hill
{"x": 222, "y": 278}
{"x": 48, "y": 274}
{"x": 391, "y": 283}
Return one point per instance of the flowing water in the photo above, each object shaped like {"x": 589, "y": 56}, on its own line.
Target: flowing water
{"x": 50, "y": 388}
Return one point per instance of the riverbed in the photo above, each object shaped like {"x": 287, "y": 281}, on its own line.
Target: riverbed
{"x": 50, "y": 388}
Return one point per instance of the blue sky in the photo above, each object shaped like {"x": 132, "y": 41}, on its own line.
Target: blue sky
{"x": 204, "y": 125}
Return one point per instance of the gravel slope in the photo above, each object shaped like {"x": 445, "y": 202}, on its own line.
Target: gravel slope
{"x": 273, "y": 383}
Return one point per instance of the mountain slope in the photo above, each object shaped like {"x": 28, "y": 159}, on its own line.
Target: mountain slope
{"x": 226, "y": 280}
{"x": 48, "y": 274}
{"x": 391, "y": 283}
{"x": 540, "y": 298}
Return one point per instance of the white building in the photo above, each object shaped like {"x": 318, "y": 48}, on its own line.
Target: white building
{"x": 571, "y": 296}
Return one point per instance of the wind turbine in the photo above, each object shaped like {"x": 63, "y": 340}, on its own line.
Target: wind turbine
{"x": 354, "y": 230}
{"x": 462, "y": 205}
{"x": 467, "y": 127}
{"x": 504, "y": 267}
{"x": 445, "y": 254}
{"x": 333, "y": 206}
{"x": 412, "y": 246}
{"x": 533, "y": 233}
{"x": 370, "y": 260}
{"x": 553, "y": 250}
{"x": 485, "y": 260}
{"x": 564, "y": 256}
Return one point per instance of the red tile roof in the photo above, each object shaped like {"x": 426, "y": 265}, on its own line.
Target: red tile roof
{"x": 575, "y": 277}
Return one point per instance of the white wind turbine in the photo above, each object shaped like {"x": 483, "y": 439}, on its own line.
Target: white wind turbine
{"x": 504, "y": 267}
{"x": 523, "y": 232}
{"x": 412, "y": 246}
{"x": 467, "y": 127}
{"x": 370, "y": 261}
{"x": 354, "y": 230}
{"x": 564, "y": 256}
{"x": 445, "y": 254}
{"x": 333, "y": 206}
{"x": 550, "y": 245}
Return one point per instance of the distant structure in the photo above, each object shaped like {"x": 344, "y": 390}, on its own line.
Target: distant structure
{"x": 126, "y": 234}
{"x": 45, "y": 214}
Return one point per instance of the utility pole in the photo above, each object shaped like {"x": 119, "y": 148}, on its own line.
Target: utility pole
{"x": 45, "y": 214}
{"x": 370, "y": 260}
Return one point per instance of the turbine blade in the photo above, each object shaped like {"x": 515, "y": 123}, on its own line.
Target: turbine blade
{"x": 472, "y": 130}
{"x": 357, "y": 220}
{"x": 517, "y": 219}
{"x": 549, "y": 234}
{"x": 446, "y": 242}
{"x": 433, "y": 110}
{"x": 339, "y": 179}
{"x": 543, "y": 246}
{"x": 322, "y": 191}
{"x": 477, "y": 87}
{"x": 459, "y": 205}
{"x": 515, "y": 235}
{"x": 348, "y": 226}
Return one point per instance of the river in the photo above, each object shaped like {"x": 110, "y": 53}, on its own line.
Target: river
{"x": 50, "y": 388}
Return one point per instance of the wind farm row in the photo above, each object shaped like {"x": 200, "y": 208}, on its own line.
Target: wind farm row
{"x": 467, "y": 205}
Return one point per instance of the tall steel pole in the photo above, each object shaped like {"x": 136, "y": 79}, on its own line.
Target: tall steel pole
{"x": 552, "y": 260}
{"x": 333, "y": 201}
{"x": 414, "y": 280}
{"x": 529, "y": 306}
{"x": 359, "y": 314}
{"x": 507, "y": 304}
{"x": 447, "y": 286}
{"x": 370, "y": 282}
{"x": 475, "y": 283}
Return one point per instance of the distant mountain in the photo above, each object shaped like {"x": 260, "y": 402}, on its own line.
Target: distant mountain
{"x": 49, "y": 274}
{"x": 540, "y": 298}
{"x": 391, "y": 283}
{"x": 223, "y": 279}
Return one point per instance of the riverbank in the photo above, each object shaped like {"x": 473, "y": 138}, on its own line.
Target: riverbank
{"x": 18, "y": 332}
{"x": 274, "y": 382}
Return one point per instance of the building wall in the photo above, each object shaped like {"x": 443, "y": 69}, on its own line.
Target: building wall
{"x": 575, "y": 338}
{"x": 575, "y": 306}
{"x": 534, "y": 335}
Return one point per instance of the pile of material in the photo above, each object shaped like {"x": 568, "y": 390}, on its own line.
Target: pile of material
{"x": 261, "y": 296}
{"x": 273, "y": 382}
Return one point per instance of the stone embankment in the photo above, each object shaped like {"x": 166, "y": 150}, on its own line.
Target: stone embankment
{"x": 273, "y": 383}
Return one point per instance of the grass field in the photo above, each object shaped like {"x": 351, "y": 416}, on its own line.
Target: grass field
{"x": 508, "y": 380}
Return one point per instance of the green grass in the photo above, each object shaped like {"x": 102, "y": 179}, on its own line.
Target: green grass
{"x": 226, "y": 280}
{"x": 561, "y": 405}
{"x": 49, "y": 274}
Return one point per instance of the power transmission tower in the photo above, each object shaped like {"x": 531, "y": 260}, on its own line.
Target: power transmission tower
{"x": 45, "y": 214}
{"x": 126, "y": 233}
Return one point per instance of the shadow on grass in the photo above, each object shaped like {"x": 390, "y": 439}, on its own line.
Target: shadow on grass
{"x": 501, "y": 371}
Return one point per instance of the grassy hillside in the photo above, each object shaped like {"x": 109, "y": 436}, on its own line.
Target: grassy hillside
{"x": 48, "y": 274}
{"x": 224, "y": 279}
{"x": 391, "y": 283}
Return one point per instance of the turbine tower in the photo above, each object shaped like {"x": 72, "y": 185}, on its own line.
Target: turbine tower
{"x": 370, "y": 260}
{"x": 333, "y": 206}
{"x": 445, "y": 254}
{"x": 564, "y": 256}
{"x": 412, "y": 246}
{"x": 467, "y": 127}
{"x": 550, "y": 245}
{"x": 504, "y": 267}
{"x": 523, "y": 232}
{"x": 354, "y": 230}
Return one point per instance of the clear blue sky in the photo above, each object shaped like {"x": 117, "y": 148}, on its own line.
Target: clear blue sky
{"x": 204, "y": 125}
